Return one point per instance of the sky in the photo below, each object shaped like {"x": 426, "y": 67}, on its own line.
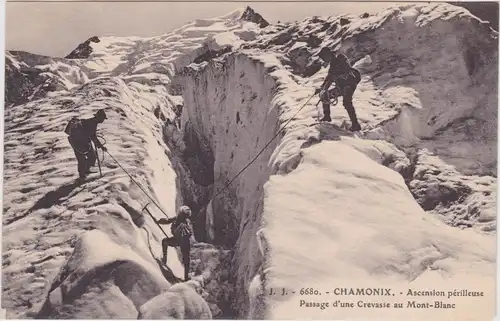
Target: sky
{"x": 56, "y": 28}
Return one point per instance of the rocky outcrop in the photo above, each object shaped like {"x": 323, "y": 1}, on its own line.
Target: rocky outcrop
{"x": 462, "y": 201}
{"x": 24, "y": 83}
{"x": 250, "y": 15}
{"x": 211, "y": 54}
{"x": 84, "y": 50}
{"x": 31, "y": 77}
{"x": 212, "y": 265}
{"x": 487, "y": 11}
{"x": 18, "y": 85}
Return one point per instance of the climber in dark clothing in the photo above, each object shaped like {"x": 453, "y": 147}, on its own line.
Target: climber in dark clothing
{"x": 346, "y": 80}
{"x": 182, "y": 231}
{"x": 81, "y": 134}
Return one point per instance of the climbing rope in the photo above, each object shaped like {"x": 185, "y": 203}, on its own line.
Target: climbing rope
{"x": 139, "y": 185}
{"x": 333, "y": 101}
{"x": 261, "y": 151}
{"x": 145, "y": 209}
{"x": 149, "y": 243}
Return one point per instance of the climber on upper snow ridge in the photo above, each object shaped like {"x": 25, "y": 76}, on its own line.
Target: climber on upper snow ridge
{"x": 346, "y": 79}
{"x": 81, "y": 133}
{"x": 182, "y": 231}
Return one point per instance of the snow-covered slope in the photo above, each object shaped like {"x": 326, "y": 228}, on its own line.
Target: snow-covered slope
{"x": 319, "y": 207}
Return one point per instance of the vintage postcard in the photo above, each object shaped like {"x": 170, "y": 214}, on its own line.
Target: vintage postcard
{"x": 250, "y": 160}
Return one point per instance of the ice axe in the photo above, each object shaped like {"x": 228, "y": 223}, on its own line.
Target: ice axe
{"x": 319, "y": 100}
{"x": 98, "y": 163}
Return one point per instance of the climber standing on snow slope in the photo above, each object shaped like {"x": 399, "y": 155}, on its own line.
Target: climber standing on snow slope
{"x": 182, "y": 231}
{"x": 346, "y": 79}
{"x": 81, "y": 133}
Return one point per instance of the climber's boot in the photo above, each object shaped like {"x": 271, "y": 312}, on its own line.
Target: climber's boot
{"x": 326, "y": 113}
{"x": 164, "y": 245}
{"x": 326, "y": 118}
{"x": 355, "y": 127}
{"x": 354, "y": 119}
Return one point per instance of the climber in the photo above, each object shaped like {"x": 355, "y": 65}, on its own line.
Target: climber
{"x": 182, "y": 231}
{"x": 81, "y": 132}
{"x": 346, "y": 79}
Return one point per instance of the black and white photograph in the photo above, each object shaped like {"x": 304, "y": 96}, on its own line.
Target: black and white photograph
{"x": 260, "y": 160}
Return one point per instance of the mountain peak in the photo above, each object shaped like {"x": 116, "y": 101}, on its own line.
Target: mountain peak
{"x": 251, "y": 15}
{"x": 84, "y": 49}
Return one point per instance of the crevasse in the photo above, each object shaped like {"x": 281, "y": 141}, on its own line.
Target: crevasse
{"x": 319, "y": 208}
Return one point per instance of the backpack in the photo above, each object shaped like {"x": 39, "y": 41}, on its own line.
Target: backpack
{"x": 352, "y": 77}
{"x": 75, "y": 128}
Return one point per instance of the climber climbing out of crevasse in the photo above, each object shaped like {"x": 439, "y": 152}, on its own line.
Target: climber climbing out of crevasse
{"x": 182, "y": 231}
{"x": 346, "y": 80}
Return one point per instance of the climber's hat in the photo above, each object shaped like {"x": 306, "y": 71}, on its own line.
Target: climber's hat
{"x": 185, "y": 210}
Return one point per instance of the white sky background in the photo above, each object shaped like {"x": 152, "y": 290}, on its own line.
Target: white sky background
{"x": 56, "y": 28}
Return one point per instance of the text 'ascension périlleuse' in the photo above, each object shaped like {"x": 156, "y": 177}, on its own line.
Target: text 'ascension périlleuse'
{"x": 367, "y": 298}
